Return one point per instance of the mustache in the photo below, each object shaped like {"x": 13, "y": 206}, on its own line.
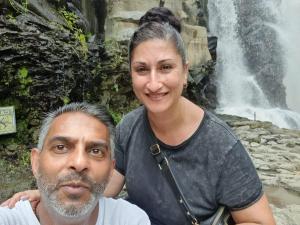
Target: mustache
{"x": 74, "y": 176}
{"x": 43, "y": 182}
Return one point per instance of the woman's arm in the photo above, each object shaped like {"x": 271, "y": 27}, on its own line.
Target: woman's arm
{"x": 114, "y": 185}
{"x": 257, "y": 214}
{"x": 32, "y": 195}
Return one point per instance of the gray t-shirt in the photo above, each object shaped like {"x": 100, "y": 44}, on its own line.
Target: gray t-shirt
{"x": 212, "y": 168}
{"x": 111, "y": 212}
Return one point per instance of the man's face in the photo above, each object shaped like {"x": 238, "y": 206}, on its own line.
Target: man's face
{"x": 75, "y": 164}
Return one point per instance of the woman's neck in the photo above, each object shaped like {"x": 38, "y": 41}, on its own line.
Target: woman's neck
{"x": 177, "y": 124}
{"x": 165, "y": 120}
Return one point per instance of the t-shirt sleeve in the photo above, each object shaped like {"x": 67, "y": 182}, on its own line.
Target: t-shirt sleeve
{"x": 239, "y": 185}
{"x": 119, "y": 152}
{"x": 121, "y": 212}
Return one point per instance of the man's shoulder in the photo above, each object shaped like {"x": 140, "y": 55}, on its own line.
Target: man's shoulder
{"x": 21, "y": 214}
{"x": 122, "y": 205}
{"x": 122, "y": 212}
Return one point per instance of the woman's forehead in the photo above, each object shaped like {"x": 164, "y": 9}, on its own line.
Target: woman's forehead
{"x": 157, "y": 49}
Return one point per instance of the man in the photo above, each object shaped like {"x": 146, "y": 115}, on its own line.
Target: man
{"x": 72, "y": 165}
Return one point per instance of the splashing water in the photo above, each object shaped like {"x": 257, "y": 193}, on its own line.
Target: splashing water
{"x": 238, "y": 90}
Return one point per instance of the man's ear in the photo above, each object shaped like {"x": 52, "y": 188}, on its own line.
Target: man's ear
{"x": 113, "y": 164}
{"x": 35, "y": 155}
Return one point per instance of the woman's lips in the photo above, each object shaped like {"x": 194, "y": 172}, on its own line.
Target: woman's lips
{"x": 156, "y": 97}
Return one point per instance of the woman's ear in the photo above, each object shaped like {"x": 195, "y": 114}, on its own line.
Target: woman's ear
{"x": 186, "y": 71}
{"x": 35, "y": 156}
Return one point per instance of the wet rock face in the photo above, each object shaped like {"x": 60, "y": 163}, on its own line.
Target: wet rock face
{"x": 41, "y": 62}
{"x": 43, "y": 65}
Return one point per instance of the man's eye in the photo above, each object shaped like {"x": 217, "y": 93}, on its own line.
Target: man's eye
{"x": 97, "y": 152}
{"x": 60, "y": 148}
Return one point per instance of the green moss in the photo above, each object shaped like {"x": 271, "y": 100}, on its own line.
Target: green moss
{"x": 25, "y": 80}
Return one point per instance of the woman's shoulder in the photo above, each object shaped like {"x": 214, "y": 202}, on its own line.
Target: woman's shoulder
{"x": 218, "y": 127}
{"x": 130, "y": 121}
{"x": 132, "y": 116}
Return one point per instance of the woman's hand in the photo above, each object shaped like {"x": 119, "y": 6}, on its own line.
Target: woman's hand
{"x": 32, "y": 195}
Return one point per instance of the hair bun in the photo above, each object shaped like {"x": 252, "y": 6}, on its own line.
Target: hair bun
{"x": 161, "y": 15}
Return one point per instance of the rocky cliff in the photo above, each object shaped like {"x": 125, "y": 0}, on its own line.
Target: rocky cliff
{"x": 275, "y": 154}
{"x": 123, "y": 16}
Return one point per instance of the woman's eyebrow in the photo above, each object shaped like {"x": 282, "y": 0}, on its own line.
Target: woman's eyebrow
{"x": 139, "y": 62}
{"x": 165, "y": 60}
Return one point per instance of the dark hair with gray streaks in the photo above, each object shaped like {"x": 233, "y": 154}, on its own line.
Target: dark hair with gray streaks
{"x": 98, "y": 112}
{"x": 161, "y": 15}
{"x": 154, "y": 30}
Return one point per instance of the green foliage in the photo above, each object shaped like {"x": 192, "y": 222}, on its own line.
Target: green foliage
{"x": 11, "y": 17}
{"x": 117, "y": 116}
{"x": 65, "y": 99}
{"x": 21, "y": 7}
{"x": 82, "y": 40}
{"x": 24, "y": 80}
{"x": 24, "y": 159}
{"x": 25, "y": 5}
{"x": 71, "y": 19}
{"x": 114, "y": 50}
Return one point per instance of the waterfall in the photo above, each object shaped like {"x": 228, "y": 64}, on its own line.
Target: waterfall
{"x": 289, "y": 32}
{"x": 255, "y": 58}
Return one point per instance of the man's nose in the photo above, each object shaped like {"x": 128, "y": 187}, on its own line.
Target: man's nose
{"x": 154, "y": 83}
{"x": 79, "y": 160}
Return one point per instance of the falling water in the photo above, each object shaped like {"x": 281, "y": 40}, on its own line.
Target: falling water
{"x": 289, "y": 33}
{"x": 239, "y": 92}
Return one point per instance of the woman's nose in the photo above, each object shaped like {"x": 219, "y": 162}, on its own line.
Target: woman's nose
{"x": 154, "y": 83}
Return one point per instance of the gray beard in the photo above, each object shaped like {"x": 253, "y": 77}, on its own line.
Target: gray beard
{"x": 51, "y": 200}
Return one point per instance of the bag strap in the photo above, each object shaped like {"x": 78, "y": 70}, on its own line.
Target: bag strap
{"x": 163, "y": 165}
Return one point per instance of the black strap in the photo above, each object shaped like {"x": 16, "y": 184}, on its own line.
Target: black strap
{"x": 163, "y": 165}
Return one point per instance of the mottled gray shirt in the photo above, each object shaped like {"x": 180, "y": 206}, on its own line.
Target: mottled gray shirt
{"x": 212, "y": 168}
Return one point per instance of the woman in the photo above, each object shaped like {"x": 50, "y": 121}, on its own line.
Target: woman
{"x": 209, "y": 162}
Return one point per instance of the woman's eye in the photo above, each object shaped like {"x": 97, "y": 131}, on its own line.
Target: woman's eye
{"x": 166, "y": 68}
{"x": 141, "y": 70}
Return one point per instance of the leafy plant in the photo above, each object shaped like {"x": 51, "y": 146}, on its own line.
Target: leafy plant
{"x": 25, "y": 80}
{"x": 117, "y": 116}
{"x": 70, "y": 19}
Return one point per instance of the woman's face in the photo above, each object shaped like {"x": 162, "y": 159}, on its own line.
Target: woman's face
{"x": 158, "y": 75}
